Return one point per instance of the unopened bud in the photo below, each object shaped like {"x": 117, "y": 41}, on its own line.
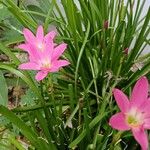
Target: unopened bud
{"x": 106, "y": 24}
{"x": 126, "y": 50}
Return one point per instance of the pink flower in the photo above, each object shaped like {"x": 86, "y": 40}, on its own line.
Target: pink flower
{"x": 43, "y": 53}
{"x": 135, "y": 114}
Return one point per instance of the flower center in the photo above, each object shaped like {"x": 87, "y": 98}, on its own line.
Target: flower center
{"x": 133, "y": 121}
{"x": 134, "y": 118}
{"x": 46, "y": 64}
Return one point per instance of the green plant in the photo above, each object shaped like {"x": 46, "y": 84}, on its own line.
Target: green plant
{"x": 72, "y": 107}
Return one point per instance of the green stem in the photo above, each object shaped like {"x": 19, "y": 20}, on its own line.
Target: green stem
{"x": 47, "y": 115}
{"x": 51, "y": 95}
{"x": 115, "y": 139}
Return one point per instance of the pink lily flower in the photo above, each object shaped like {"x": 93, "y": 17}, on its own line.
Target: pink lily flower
{"x": 135, "y": 114}
{"x": 43, "y": 53}
{"x": 39, "y": 41}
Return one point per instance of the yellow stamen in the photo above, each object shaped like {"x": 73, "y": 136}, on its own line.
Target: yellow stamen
{"x": 132, "y": 121}
{"x": 134, "y": 118}
{"x": 46, "y": 64}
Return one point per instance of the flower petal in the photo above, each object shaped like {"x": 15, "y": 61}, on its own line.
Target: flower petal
{"x": 147, "y": 123}
{"x": 58, "y": 64}
{"x": 40, "y": 33}
{"x": 121, "y": 99}
{"x": 49, "y": 48}
{"x": 29, "y": 66}
{"x": 145, "y": 107}
{"x": 25, "y": 47}
{"x": 140, "y": 92}
{"x": 41, "y": 75}
{"x": 30, "y": 38}
{"x": 58, "y": 51}
{"x": 32, "y": 51}
{"x": 117, "y": 121}
{"x": 50, "y": 35}
{"x": 141, "y": 137}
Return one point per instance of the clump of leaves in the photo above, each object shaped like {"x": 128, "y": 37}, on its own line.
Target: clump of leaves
{"x": 105, "y": 42}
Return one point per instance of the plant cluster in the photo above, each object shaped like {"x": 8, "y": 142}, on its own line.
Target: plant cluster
{"x": 62, "y": 66}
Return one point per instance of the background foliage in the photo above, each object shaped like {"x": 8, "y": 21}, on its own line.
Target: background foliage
{"x": 71, "y": 108}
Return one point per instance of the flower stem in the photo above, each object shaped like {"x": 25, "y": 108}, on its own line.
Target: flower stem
{"x": 115, "y": 139}
{"x": 51, "y": 95}
{"x": 47, "y": 115}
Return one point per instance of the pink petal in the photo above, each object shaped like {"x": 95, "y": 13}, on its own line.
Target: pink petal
{"x": 41, "y": 75}
{"x": 50, "y": 35}
{"x": 25, "y": 47}
{"x": 58, "y": 51}
{"x": 34, "y": 54}
{"x": 145, "y": 107}
{"x": 147, "y": 123}
{"x": 30, "y": 38}
{"x": 140, "y": 92}
{"x": 48, "y": 49}
{"x": 29, "y": 66}
{"x": 141, "y": 137}
{"x": 32, "y": 51}
{"x": 121, "y": 99}
{"x": 58, "y": 64}
{"x": 117, "y": 121}
{"x": 40, "y": 33}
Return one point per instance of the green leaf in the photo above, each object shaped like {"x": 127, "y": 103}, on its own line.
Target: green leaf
{"x": 4, "y": 12}
{"x": 25, "y": 78}
{"x": 25, "y": 19}
{"x": 3, "y": 90}
{"x": 29, "y": 98}
{"x": 9, "y": 53}
{"x": 26, "y": 130}
{"x": 83, "y": 134}
{"x": 81, "y": 52}
{"x": 16, "y": 143}
{"x": 45, "y": 5}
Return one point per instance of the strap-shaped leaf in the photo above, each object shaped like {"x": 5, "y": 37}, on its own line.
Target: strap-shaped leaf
{"x": 3, "y": 90}
{"x": 26, "y": 130}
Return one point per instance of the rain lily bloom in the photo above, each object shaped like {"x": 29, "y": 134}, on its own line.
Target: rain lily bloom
{"x": 39, "y": 41}
{"x": 43, "y": 53}
{"x": 135, "y": 113}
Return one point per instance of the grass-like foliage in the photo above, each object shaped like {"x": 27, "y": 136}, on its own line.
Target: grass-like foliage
{"x": 70, "y": 109}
